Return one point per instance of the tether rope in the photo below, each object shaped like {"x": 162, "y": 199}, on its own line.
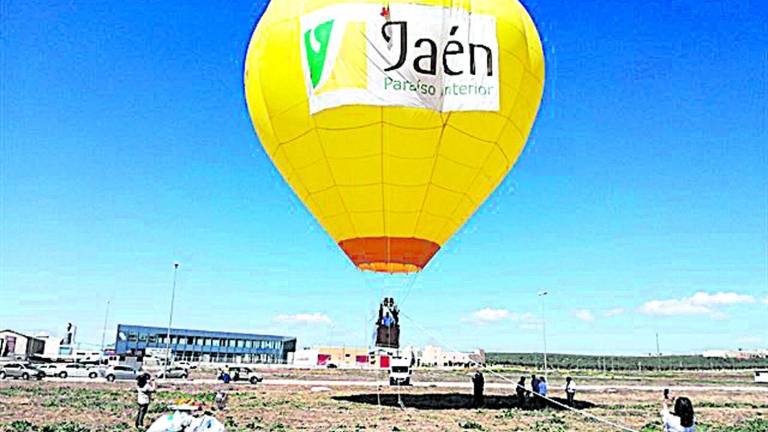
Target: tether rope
{"x": 618, "y": 426}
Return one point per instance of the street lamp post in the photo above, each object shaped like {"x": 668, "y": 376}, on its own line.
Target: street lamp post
{"x": 544, "y": 331}
{"x": 104, "y": 329}
{"x": 170, "y": 321}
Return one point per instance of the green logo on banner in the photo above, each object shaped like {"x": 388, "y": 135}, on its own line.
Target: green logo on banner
{"x": 316, "y": 52}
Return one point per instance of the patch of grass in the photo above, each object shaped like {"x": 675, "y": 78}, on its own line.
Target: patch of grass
{"x": 65, "y": 427}
{"x": 20, "y": 426}
{"x": 739, "y": 405}
{"x": 173, "y": 395}
{"x": 507, "y": 414}
{"x": 25, "y": 426}
{"x": 749, "y": 425}
{"x": 641, "y": 406}
{"x": 653, "y": 426}
{"x": 553, "y": 423}
{"x": 13, "y": 391}
{"x": 471, "y": 425}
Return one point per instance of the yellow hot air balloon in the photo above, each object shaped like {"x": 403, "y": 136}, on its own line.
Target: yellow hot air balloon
{"x": 393, "y": 121}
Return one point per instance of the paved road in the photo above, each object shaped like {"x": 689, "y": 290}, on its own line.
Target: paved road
{"x": 466, "y": 385}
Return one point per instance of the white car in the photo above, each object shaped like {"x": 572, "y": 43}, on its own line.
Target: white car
{"x": 119, "y": 372}
{"x": 76, "y": 370}
{"x": 185, "y": 364}
{"x": 51, "y": 370}
{"x": 174, "y": 372}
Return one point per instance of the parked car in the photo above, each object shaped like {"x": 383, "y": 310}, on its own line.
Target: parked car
{"x": 120, "y": 373}
{"x": 186, "y": 365}
{"x": 76, "y": 370}
{"x": 21, "y": 370}
{"x": 761, "y": 376}
{"x": 174, "y": 372}
{"x": 244, "y": 374}
{"x": 50, "y": 369}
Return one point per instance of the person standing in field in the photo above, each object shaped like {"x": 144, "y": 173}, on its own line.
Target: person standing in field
{"x": 543, "y": 390}
{"x": 570, "y": 390}
{"x": 145, "y": 386}
{"x": 478, "y": 381}
{"x": 679, "y": 420}
{"x": 520, "y": 390}
{"x": 535, "y": 390}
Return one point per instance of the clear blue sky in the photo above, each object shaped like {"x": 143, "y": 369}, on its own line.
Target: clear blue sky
{"x": 126, "y": 145}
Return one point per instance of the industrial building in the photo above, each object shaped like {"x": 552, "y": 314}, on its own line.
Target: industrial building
{"x": 203, "y": 346}
{"x": 344, "y": 357}
{"x": 434, "y": 356}
{"x": 18, "y": 345}
{"x": 366, "y": 358}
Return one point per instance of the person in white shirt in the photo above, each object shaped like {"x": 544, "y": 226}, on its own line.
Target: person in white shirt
{"x": 681, "y": 419}
{"x": 570, "y": 390}
{"x": 145, "y": 385}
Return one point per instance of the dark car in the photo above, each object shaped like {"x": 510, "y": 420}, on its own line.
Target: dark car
{"x": 21, "y": 370}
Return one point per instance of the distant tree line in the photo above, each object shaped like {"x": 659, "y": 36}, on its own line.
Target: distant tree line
{"x": 623, "y": 363}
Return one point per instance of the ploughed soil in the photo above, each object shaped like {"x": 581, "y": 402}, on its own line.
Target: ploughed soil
{"x": 92, "y": 406}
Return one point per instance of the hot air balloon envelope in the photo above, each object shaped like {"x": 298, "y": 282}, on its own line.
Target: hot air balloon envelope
{"x": 393, "y": 122}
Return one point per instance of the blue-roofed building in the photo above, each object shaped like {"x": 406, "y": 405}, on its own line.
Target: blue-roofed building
{"x": 203, "y": 346}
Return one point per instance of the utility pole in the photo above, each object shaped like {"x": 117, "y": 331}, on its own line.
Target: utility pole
{"x": 544, "y": 331}
{"x": 104, "y": 329}
{"x": 170, "y": 321}
{"x": 658, "y": 351}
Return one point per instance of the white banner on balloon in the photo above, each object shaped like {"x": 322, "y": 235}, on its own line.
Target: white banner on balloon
{"x": 444, "y": 59}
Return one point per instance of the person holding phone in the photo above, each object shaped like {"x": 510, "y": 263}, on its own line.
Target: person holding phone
{"x": 681, "y": 419}
{"x": 145, "y": 386}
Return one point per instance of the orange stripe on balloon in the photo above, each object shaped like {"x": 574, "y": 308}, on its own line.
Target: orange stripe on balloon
{"x": 389, "y": 254}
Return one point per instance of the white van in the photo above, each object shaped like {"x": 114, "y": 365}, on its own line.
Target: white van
{"x": 399, "y": 371}
{"x": 761, "y": 376}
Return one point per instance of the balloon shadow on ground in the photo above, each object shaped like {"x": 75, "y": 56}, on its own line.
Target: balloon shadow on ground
{"x": 449, "y": 401}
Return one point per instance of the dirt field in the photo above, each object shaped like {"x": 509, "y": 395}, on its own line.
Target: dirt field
{"x": 91, "y": 406}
